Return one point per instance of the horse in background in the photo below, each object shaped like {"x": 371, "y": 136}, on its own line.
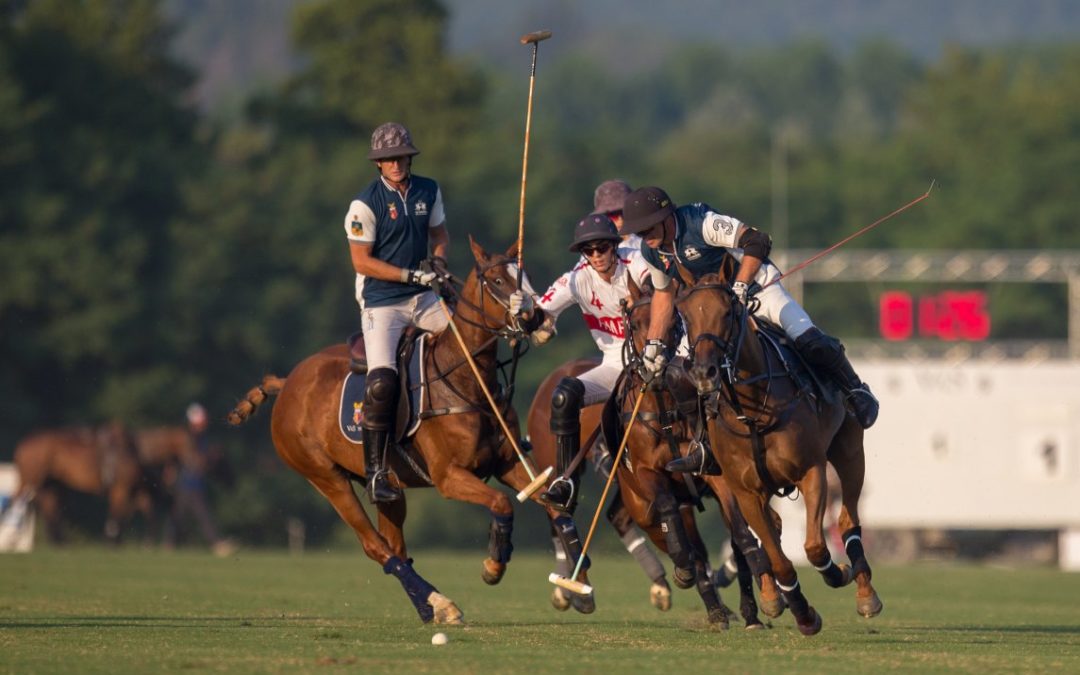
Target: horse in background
{"x": 99, "y": 461}
{"x": 772, "y": 427}
{"x": 455, "y": 448}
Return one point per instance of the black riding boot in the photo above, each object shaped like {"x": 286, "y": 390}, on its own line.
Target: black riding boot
{"x": 697, "y": 461}
{"x": 379, "y": 403}
{"x": 826, "y": 353}
{"x": 566, "y": 426}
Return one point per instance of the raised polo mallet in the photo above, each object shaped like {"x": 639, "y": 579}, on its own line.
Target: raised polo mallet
{"x": 534, "y": 39}
{"x": 572, "y": 584}
{"x": 537, "y": 480}
{"x": 845, "y": 240}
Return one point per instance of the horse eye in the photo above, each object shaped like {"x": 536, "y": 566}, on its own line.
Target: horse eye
{"x": 498, "y": 281}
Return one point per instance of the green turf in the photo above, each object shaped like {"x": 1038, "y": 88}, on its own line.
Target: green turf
{"x": 127, "y": 611}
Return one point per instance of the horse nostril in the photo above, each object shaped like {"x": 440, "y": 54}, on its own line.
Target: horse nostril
{"x": 712, "y": 373}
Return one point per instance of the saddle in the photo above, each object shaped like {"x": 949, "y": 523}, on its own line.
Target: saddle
{"x": 807, "y": 381}
{"x": 410, "y": 362}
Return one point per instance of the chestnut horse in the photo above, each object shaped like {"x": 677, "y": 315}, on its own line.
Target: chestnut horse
{"x": 457, "y": 450}
{"x": 98, "y": 461}
{"x": 769, "y": 429}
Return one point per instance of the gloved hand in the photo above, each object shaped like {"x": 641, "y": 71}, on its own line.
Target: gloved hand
{"x": 545, "y": 332}
{"x": 417, "y": 277}
{"x": 741, "y": 291}
{"x": 520, "y": 303}
{"x": 654, "y": 359}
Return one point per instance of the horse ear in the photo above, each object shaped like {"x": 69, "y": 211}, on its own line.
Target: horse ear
{"x": 478, "y": 251}
{"x": 512, "y": 251}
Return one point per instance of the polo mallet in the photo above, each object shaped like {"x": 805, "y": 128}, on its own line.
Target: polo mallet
{"x": 572, "y": 584}
{"x": 845, "y": 240}
{"x": 534, "y": 39}
{"x": 537, "y": 480}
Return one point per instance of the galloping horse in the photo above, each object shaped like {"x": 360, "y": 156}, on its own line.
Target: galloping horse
{"x": 772, "y": 427}
{"x": 96, "y": 461}
{"x": 455, "y": 450}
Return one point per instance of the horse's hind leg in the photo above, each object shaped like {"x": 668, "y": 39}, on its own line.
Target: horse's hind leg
{"x": 846, "y": 456}
{"x": 429, "y": 603}
{"x": 814, "y": 489}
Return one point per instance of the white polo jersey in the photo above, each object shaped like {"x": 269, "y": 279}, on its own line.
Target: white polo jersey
{"x": 598, "y": 299}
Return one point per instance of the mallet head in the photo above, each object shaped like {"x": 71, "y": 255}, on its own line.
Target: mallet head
{"x": 536, "y": 36}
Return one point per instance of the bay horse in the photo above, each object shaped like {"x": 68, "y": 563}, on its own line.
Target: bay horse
{"x": 455, "y": 451}
{"x": 100, "y": 461}
{"x": 662, "y": 502}
{"x": 770, "y": 428}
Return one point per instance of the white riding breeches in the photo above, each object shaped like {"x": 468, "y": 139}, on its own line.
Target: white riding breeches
{"x": 384, "y": 325}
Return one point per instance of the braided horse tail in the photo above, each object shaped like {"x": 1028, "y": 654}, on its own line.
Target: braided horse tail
{"x": 271, "y": 386}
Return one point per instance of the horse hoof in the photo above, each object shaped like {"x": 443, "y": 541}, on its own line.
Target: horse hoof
{"x": 560, "y": 599}
{"x": 446, "y": 612}
{"x": 774, "y": 607}
{"x": 660, "y": 595}
{"x": 585, "y": 604}
{"x": 685, "y": 578}
{"x": 869, "y": 607}
{"x": 492, "y": 572}
{"x": 812, "y": 628}
{"x": 755, "y": 625}
{"x": 718, "y": 618}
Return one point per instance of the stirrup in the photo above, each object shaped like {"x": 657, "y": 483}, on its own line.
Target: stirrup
{"x": 696, "y": 462}
{"x": 379, "y": 488}
{"x": 553, "y": 500}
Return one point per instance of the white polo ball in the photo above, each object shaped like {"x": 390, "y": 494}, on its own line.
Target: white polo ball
{"x": 439, "y": 639}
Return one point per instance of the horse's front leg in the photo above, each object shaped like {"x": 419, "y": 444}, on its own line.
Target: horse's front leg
{"x": 718, "y": 613}
{"x": 462, "y": 485}
{"x": 752, "y": 505}
{"x": 565, "y": 531}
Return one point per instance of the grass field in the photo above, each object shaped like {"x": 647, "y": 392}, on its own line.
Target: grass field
{"x": 136, "y": 611}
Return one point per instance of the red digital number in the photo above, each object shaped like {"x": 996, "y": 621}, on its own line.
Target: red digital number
{"x": 950, "y": 315}
{"x": 896, "y": 317}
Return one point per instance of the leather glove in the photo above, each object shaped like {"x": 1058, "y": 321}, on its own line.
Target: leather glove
{"x": 545, "y": 332}
{"x": 520, "y": 303}
{"x": 417, "y": 277}
{"x": 741, "y": 291}
{"x": 654, "y": 358}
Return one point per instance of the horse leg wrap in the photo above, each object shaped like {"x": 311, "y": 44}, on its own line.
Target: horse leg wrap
{"x": 415, "y": 587}
{"x": 833, "y": 575}
{"x": 499, "y": 545}
{"x": 716, "y": 610}
{"x": 748, "y": 607}
{"x": 853, "y": 546}
{"x": 677, "y": 542}
{"x": 636, "y": 546}
{"x": 562, "y": 562}
{"x": 571, "y": 540}
{"x": 796, "y": 601}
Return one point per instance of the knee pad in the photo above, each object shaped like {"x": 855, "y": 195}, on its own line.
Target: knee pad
{"x": 566, "y": 404}
{"x": 380, "y": 396}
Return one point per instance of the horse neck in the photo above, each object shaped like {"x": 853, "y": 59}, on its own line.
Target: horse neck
{"x": 471, "y": 322}
{"x": 752, "y": 357}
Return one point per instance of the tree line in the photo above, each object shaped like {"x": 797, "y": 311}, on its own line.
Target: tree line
{"x": 154, "y": 254}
